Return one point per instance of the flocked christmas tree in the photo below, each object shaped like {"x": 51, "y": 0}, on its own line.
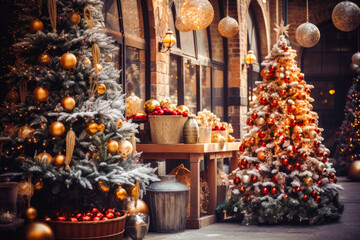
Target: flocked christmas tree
{"x": 64, "y": 113}
{"x": 348, "y": 139}
{"x": 283, "y": 175}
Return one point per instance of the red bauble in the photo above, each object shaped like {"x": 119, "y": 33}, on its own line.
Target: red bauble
{"x": 263, "y": 101}
{"x": 301, "y": 76}
{"x": 274, "y": 179}
{"x": 277, "y": 133}
{"x": 319, "y": 153}
{"x": 244, "y": 161}
{"x": 291, "y": 109}
{"x": 264, "y": 191}
{"x": 242, "y": 167}
{"x": 85, "y": 218}
{"x": 285, "y": 48}
{"x": 296, "y": 147}
{"x": 273, "y": 190}
{"x": 286, "y": 78}
{"x": 303, "y": 156}
{"x": 61, "y": 218}
{"x": 285, "y": 161}
{"x": 242, "y": 148}
{"x": 274, "y": 103}
{"x": 314, "y": 193}
{"x": 254, "y": 115}
{"x": 319, "y": 183}
{"x": 317, "y": 199}
{"x": 72, "y": 219}
{"x": 297, "y": 166}
{"x": 289, "y": 167}
{"x": 299, "y": 136}
{"x": 94, "y": 210}
{"x": 306, "y": 197}
{"x": 110, "y": 215}
{"x": 262, "y": 144}
{"x": 262, "y": 134}
{"x": 250, "y": 122}
{"x": 242, "y": 189}
{"x": 89, "y": 214}
{"x": 104, "y": 219}
{"x": 285, "y": 196}
{"x": 324, "y": 160}
{"x": 311, "y": 120}
{"x": 252, "y": 141}
{"x": 317, "y": 130}
{"x": 271, "y": 69}
{"x": 283, "y": 92}
{"x": 95, "y": 219}
{"x": 316, "y": 144}
{"x": 253, "y": 179}
{"x": 308, "y": 91}
{"x": 293, "y": 123}
{"x": 331, "y": 175}
{"x": 297, "y": 189}
{"x": 263, "y": 73}
{"x": 236, "y": 180}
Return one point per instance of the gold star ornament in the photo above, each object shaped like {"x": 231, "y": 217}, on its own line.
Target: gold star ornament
{"x": 281, "y": 29}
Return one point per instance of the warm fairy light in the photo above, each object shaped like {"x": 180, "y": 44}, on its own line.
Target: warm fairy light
{"x": 332, "y": 91}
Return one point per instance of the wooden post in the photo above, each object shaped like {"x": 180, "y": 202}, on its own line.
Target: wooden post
{"x": 233, "y": 161}
{"x": 195, "y": 185}
{"x": 212, "y": 171}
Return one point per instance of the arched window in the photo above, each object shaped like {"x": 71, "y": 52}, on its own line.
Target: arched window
{"x": 198, "y": 65}
{"x": 124, "y": 20}
{"x": 327, "y": 67}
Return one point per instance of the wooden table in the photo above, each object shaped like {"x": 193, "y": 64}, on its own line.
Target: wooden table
{"x": 195, "y": 152}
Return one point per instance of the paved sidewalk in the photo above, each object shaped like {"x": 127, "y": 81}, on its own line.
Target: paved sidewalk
{"x": 348, "y": 228}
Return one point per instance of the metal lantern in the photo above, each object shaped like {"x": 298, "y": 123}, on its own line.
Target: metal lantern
{"x": 307, "y": 35}
{"x": 169, "y": 39}
{"x": 180, "y": 25}
{"x": 197, "y": 14}
{"x": 250, "y": 57}
{"x": 346, "y": 16}
{"x": 228, "y": 27}
{"x": 356, "y": 58}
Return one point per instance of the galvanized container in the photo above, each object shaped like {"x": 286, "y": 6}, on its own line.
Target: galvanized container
{"x": 167, "y": 201}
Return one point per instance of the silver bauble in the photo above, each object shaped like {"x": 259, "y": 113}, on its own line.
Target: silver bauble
{"x": 356, "y": 58}
{"x": 346, "y": 16}
{"x": 197, "y": 14}
{"x": 307, "y": 35}
{"x": 228, "y": 27}
{"x": 353, "y": 67}
{"x": 245, "y": 179}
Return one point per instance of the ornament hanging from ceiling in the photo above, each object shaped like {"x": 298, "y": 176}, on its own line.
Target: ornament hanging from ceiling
{"x": 356, "y": 58}
{"x": 197, "y": 14}
{"x": 346, "y": 16}
{"x": 228, "y": 27}
{"x": 307, "y": 34}
{"x": 180, "y": 25}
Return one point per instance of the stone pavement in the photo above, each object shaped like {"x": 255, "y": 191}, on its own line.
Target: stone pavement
{"x": 348, "y": 228}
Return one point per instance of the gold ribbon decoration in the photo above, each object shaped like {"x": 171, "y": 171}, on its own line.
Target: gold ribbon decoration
{"x": 51, "y": 4}
{"x": 70, "y": 145}
{"x": 89, "y": 17}
{"x": 96, "y": 54}
{"x": 135, "y": 192}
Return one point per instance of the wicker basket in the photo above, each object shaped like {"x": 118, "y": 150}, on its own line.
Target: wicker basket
{"x": 167, "y": 129}
{"x": 112, "y": 229}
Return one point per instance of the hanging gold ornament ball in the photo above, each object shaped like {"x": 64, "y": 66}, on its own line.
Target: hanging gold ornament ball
{"x": 59, "y": 160}
{"x": 119, "y": 123}
{"x": 197, "y": 14}
{"x": 10, "y": 129}
{"x": 346, "y": 16}
{"x": 101, "y": 127}
{"x": 41, "y": 94}
{"x": 30, "y": 213}
{"x": 120, "y": 193}
{"x": 354, "y": 170}
{"x": 68, "y": 103}
{"x": 38, "y": 231}
{"x": 25, "y": 132}
{"x": 68, "y": 60}
{"x": 87, "y": 61}
{"x": 74, "y": 18}
{"x": 44, "y": 156}
{"x": 308, "y": 181}
{"x": 99, "y": 68}
{"x": 180, "y": 25}
{"x": 36, "y": 25}
{"x": 307, "y": 35}
{"x": 356, "y": 58}
{"x": 101, "y": 89}
{"x": 39, "y": 185}
{"x": 228, "y": 27}
{"x": 104, "y": 187}
{"x": 125, "y": 148}
{"x": 25, "y": 189}
{"x": 261, "y": 156}
{"x": 44, "y": 58}
{"x": 183, "y": 109}
{"x": 112, "y": 146}
{"x": 150, "y": 105}
{"x": 245, "y": 179}
{"x": 12, "y": 96}
{"x": 170, "y": 106}
{"x": 108, "y": 58}
{"x": 92, "y": 127}
{"x": 57, "y": 129}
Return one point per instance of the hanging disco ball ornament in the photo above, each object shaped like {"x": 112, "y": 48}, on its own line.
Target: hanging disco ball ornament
{"x": 356, "y": 58}
{"x": 197, "y": 14}
{"x": 346, "y": 16}
{"x": 180, "y": 25}
{"x": 228, "y": 27}
{"x": 307, "y": 35}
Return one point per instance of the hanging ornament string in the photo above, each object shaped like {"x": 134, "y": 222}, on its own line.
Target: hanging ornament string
{"x": 70, "y": 145}
{"x": 40, "y": 6}
{"x": 227, "y": 7}
{"x": 307, "y": 10}
{"x": 277, "y": 12}
{"x": 51, "y": 4}
{"x": 89, "y": 17}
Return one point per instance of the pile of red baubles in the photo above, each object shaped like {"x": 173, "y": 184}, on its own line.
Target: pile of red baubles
{"x": 217, "y": 128}
{"x": 163, "y": 110}
{"x": 93, "y": 215}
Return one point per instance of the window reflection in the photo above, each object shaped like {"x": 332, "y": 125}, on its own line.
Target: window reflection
{"x": 203, "y": 43}
{"x": 173, "y": 79}
{"x": 190, "y": 87}
{"x": 132, "y": 17}
{"x": 206, "y": 87}
{"x": 135, "y": 72}
{"x": 218, "y": 99}
{"x": 111, "y": 15}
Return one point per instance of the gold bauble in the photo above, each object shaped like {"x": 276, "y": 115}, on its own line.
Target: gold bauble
{"x": 101, "y": 89}
{"x": 44, "y": 58}
{"x": 140, "y": 207}
{"x": 30, "y": 213}
{"x": 74, "y": 18}
{"x": 183, "y": 108}
{"x": 36, "y": 25}
{"x": 346, "y": 16}
{"x": 38, "y": 231}
{"x": 245, "y": 179}
{"x": 12, "y": 96}
{"x": 10, "y": 129}
{"x": 231, "y": 138}
{"x": 170, "y": 106}
{"x": 150, "y": 105}
{"x": 197, "y": 14}
{"x": 25, "y": 132}
{"x": 92, "y": 127}
{"x": 41, "y": 94}
{"x": 307, "y": 35}
{"x": 45, "y": 156}
{"x": 277, "y": 149}
{"x": 120, "y": 193}
{"x": 165, "y": 100}
{"x": 112, "y": 146}
{"x": 25, "y": 189}
{"x": 68, "y": 103}
{"x": 101, "y": 127}
{"x": 354, "y": 170}
{"x": 260, "y": 121}
{"x": 180, "y": 25}
{"x": 68, "y": 60}
{"x": 59, "y": 160}
{"x": 39, "y": 185}
{"x": 228, "y": 27}
{"x": 261, "y": 156}
{"x": 308, "y": 181}
{"x": 119, "y": 123}
{"x": 321, "y": 166}
{"x": 57, "y": 129}
{"x": 125, "y": 148}
{"x": 104, "y": 187}
{"x": 99, "y": 68}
